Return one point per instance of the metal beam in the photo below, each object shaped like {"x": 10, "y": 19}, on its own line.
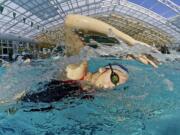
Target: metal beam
{"x": 171, "y": 5}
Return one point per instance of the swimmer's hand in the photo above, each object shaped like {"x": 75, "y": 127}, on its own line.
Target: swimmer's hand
{"x": 148, "y": 59}
{"x": 145, "y": 59}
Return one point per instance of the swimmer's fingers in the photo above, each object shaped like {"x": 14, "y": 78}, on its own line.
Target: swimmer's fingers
{"x": 142, "y": 59}
{"x": 130, "y": 57}
{"x": 153, "y": 64}
{"x": 139, "y": 58}
{"x": 151, "y": 60}
{"x": 147, "y": 60}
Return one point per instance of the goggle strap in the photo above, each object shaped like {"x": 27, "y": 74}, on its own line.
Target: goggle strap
{"x": 111, "y": 68}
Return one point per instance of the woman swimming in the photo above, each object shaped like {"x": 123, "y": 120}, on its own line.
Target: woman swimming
{"x": 80, "y": 83}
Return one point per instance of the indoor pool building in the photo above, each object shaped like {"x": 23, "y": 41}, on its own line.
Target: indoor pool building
{"x": 89, "y": 67}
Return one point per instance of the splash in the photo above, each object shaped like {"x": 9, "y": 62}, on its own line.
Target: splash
{"x": 22, "y": 77}
{"x": 19, "y": 78}
{"x": 122, "y": 50}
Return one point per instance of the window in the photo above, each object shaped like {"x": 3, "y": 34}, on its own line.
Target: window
{"x": 10, "y": 43}
{"x": 5, "y": 51}
{"x": 4, "y": 44}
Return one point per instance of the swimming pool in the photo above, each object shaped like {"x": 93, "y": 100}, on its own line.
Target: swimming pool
{"x": 148, "y": 104}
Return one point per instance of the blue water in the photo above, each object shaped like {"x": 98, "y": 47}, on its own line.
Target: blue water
{"x": 2, "y": 70}
{"x": 148, "y": 104}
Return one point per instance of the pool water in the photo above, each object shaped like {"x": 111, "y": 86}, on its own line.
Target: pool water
{"x": 148, "y": 104}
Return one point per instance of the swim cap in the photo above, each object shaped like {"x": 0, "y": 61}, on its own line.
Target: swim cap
{"x": 119, "y": 67}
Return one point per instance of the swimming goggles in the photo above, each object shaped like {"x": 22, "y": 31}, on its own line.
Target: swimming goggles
{"x": 114, "y": 76}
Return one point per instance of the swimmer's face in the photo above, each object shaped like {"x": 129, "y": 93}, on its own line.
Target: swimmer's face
{"x": 104, "y": 78}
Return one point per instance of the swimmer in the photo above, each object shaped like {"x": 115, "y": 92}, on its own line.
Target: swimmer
{"x": 23, "y": 59}
{"x": 80, "y": 83}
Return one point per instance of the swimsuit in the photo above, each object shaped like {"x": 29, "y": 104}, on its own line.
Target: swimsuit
{"x": 57, "y": 90}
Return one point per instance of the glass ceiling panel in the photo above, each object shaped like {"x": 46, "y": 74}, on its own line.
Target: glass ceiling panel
{"x": 47, "y": 13}
{"x": 149, "y": 3}
{"x": 163, "y": 10}
{"x": 81, "y": 2}
{"x": 34, "y": 7}
{"x": 176, "y": 1}
{"x": 157, "y": 7}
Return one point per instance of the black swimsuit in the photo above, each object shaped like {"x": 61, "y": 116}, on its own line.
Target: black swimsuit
{"x": 57, "y": 90}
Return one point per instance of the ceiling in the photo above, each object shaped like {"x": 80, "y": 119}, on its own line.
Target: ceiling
{"x": 151, "y": 21}
{"x": 137, "y": 29}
